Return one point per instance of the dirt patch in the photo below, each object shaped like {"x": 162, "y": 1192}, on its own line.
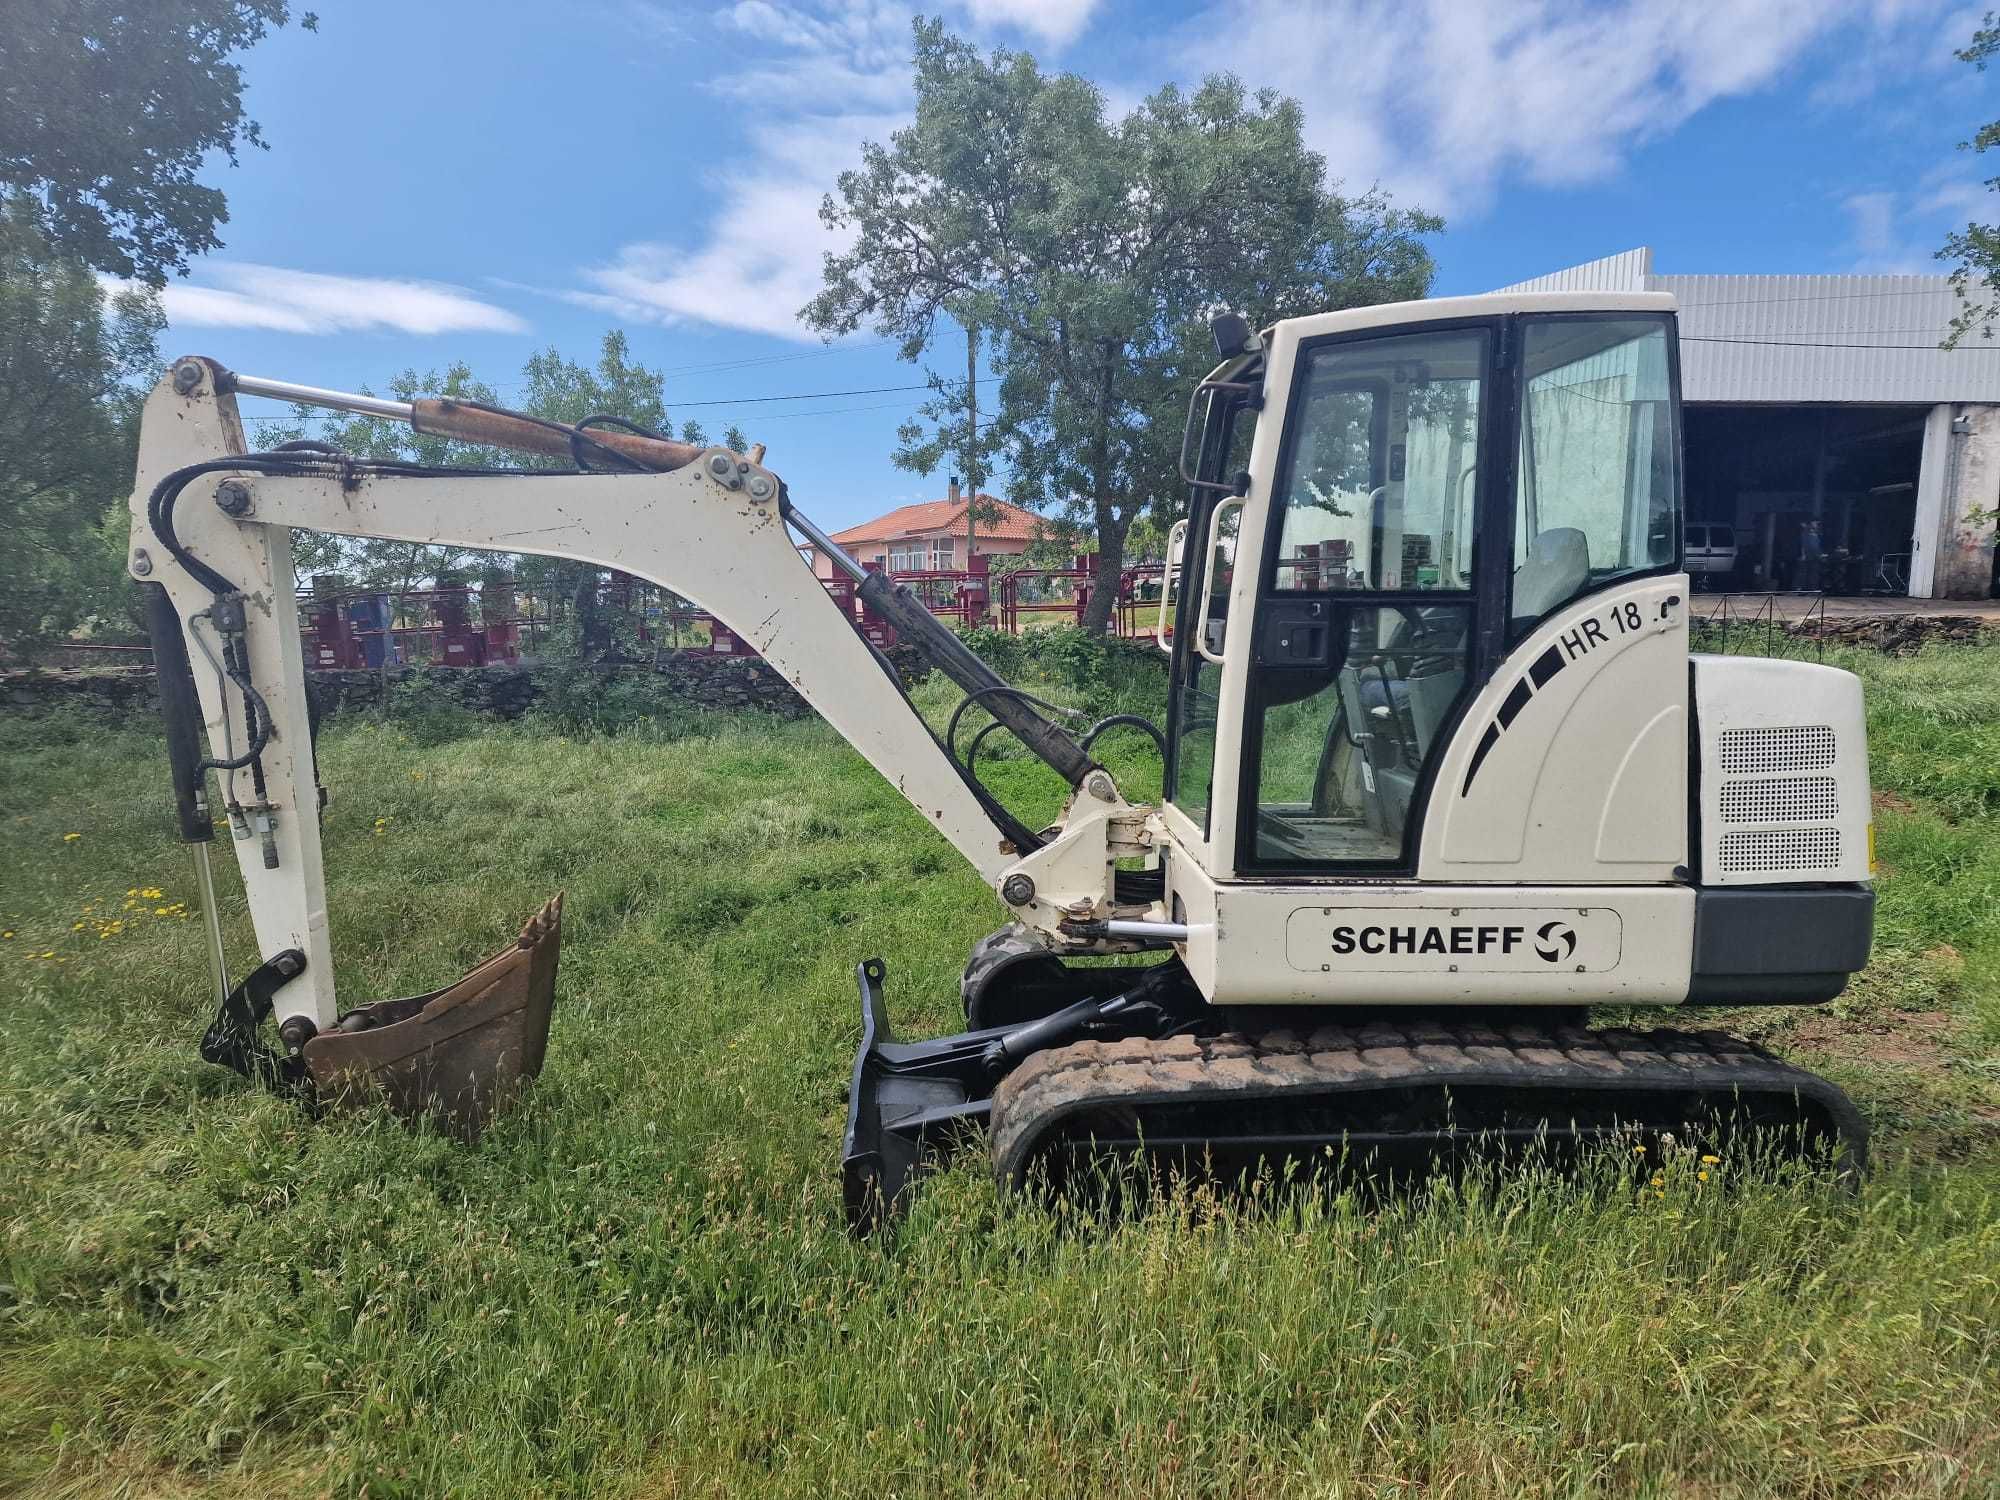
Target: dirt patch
{"x": 1890, "y": 802}
{"x": 1916, "y": 1040}
{"x": 1906, "y": 1038}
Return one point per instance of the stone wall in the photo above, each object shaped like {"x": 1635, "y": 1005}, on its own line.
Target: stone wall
{"x": 697, "y": 678}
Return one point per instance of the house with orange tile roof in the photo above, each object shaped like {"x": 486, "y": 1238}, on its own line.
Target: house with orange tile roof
{"x": 932, "y": 536}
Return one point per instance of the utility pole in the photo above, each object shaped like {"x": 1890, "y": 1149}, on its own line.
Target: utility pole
{"x": 971, "y": 461}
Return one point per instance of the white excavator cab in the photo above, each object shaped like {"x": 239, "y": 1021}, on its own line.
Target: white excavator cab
{"x": 1411, "y": 505}
{"x": 1432, "y": 654}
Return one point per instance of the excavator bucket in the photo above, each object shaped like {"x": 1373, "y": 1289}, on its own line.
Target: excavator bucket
{"x": 458, "y": 1055}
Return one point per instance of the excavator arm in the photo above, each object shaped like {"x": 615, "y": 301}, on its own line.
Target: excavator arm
{"x": 211, "y": 537}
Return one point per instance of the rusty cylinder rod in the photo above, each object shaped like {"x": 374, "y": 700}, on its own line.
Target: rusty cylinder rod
{"x": 440, "y": 416}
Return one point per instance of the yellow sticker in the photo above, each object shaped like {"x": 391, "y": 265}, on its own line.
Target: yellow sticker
{"x": 1871, "y": 848}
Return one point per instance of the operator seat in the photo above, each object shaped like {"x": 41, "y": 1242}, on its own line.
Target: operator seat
{"x": 1556, "y": 567}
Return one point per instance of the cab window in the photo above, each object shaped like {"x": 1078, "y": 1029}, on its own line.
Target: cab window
{"x": 1599, "y": 486}
{"x": 1378, "y": 490}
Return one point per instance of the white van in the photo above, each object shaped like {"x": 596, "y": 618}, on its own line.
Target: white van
{"x": 1711, "y": 549}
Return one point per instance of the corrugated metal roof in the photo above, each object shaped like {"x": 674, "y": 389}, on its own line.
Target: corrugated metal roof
{"x": 1629, "y": 271}
{"x": 1806, "y": 339}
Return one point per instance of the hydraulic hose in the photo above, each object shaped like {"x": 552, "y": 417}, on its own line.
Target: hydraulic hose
{"x": 181, "y": 710}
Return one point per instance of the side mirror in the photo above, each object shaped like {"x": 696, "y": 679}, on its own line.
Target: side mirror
{"x": 1233, "y": 335}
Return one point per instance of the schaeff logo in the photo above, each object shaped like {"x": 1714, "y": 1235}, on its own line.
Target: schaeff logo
{"x": 1553, "y": 941}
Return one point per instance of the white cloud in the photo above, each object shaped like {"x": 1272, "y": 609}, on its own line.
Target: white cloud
{"x": 1897, "y": 231}
{"x": 1873, "y": 221}
{"x": 1442, "y": 101}
{"x": 287, "y": 301}
{"x": 1957, "y": 198}
{"x": 760, "y": 261}
{"x": 826, "y": 75}
{"x": 1057, "y": 22}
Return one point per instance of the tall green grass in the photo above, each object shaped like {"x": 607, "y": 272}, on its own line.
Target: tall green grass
{"x": 639, "y": 1282}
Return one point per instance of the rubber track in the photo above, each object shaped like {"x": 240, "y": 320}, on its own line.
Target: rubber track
{"x": 1032, "y": 1102}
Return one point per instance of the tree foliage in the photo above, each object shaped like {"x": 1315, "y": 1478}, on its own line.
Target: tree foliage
{"x": 1091, "y": 251}
{"x": 69, "y": 355}
{"x": 1975, "y": 249}
{"x": 108, "y": 112}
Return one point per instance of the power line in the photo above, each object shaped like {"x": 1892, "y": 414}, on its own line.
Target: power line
{"x": 781, "y": 416}
{"x": 1707, "y": 338}
{"x": 871, "y": 390}
{"x": 1695, "y": 302}
{"x": 775, "y": 359}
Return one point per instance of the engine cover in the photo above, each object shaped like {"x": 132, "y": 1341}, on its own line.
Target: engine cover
{"x": 1782, "y": 771}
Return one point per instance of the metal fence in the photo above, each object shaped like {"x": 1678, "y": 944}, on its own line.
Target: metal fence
{"x": 1774, "y": 624}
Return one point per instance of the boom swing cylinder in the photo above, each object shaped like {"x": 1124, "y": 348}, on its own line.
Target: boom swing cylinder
{"x": 1440, "y": 770}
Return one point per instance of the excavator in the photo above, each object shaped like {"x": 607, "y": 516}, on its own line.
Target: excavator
{"x": 1441, "y": 773}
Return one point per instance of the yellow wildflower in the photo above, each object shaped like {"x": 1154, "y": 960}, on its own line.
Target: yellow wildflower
{"x": 71, "y": 838}
{"x": 8, "y": 933}
{"x": 1703, "y": 1175}
{"x": 1710, "y": 1161}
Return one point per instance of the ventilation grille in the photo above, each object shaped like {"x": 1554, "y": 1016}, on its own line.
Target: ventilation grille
{"x": 1781, "y": 849}
{"x": 1783, "y": 747}
{"x": 1793, "y": 799}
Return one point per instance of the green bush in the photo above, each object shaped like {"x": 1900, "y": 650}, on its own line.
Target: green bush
{"x": 424, "y": 706}
{"x": 1109, "y": 675}
{"x": 587, "y": 703}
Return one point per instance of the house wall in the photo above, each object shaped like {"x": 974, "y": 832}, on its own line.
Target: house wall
{"x": 878, "y": 552}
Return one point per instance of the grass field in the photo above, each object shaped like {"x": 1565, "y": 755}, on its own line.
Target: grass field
{"x": 639, "y": 1282}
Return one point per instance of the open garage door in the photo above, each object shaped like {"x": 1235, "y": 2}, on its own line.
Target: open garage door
{"x": 1812, "y": 497}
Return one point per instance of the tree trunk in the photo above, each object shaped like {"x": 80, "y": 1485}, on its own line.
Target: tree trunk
{"x": 970, "y": 460}
{"x": 590, "y": 632}
{"x": 1110, "y": 531}
{"x": 1110, "y": 563}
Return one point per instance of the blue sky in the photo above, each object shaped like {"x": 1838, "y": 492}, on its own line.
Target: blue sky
{"x": 450, "y": 180}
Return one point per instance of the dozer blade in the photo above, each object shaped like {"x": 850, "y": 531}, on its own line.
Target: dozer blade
{"x": 458, "y": 1055}
{"x": 906, "y": 1101}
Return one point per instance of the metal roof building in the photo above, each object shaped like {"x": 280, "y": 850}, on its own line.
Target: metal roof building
{"x": 1824, "y": 407}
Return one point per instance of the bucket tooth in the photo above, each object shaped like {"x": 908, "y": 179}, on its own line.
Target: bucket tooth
{"x": 458, "y": 1055}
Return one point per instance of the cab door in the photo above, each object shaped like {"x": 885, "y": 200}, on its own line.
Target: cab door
{"x": 1371, "y": 623}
